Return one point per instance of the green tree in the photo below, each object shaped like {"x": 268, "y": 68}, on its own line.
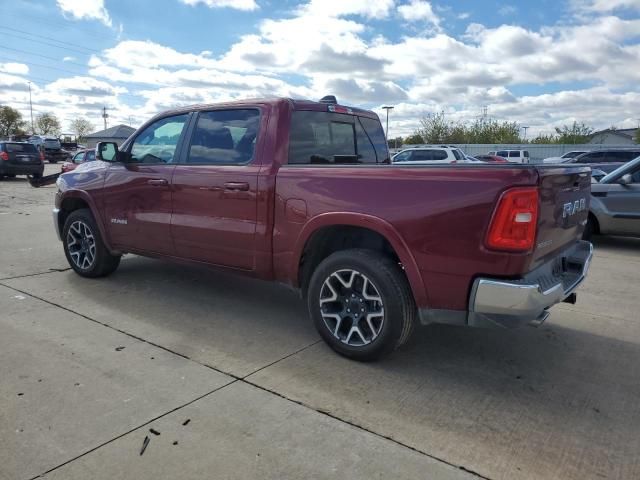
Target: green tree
{"x": 576, "y": 133}
{"x": 637, "y": 138}
{"x": 47, "y": 123}
{"x": 11, "y": 122}
{"x": 434, "y": 128}
{"x": 415, "y": 139}
{"x": 81, "y": 127}
{"x": 545, "y": 138}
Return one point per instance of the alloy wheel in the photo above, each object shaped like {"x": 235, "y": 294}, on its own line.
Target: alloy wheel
{"x": 351, "y": 307}
{"x": 81, "y": 245}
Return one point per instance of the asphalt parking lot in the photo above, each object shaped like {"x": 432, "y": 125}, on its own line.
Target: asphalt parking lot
{"x": 234, "y": 382}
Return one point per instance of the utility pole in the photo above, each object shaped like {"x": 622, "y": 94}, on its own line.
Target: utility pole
{"x": 387, "y": 132}
{"x": 33, "y": 130}
{"x": 525, "y": 132}
{"x": 105, "y": 115}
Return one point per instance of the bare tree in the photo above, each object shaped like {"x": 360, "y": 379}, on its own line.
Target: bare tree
{"x": 81, "y": 127}
{"x": 47, "y": 123}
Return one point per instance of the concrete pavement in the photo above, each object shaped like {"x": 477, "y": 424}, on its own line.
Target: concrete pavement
{"x": 266, "y": 399}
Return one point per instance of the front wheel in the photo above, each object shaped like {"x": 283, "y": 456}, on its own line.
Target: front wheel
{"x": 84, "y": 248}
{"x": 361, "y": 304}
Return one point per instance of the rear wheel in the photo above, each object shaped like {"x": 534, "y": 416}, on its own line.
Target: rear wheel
{"x": 84, "y": 248}
{"x": 361, "y": 304}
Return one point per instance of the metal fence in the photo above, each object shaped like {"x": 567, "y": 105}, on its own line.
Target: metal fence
{"x": 537, "y": 151}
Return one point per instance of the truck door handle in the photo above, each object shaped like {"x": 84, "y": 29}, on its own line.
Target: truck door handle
{"x": 158, "y": 182}
{"x": 242, "y": 186}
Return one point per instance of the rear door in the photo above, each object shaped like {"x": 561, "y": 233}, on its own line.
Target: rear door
{"x": 563, "y": 209}
{"x": 137, "y": 193}
{"x": 216, "y": 189}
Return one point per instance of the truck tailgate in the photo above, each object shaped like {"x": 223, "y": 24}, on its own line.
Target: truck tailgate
{"x": 563, "y": 209}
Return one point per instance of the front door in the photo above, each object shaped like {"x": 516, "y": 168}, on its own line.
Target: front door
{"x": 215, "y": 190}
{"x": 137, "y": 191}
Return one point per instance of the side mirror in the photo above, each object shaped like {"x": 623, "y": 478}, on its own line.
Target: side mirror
{"x": 625, "y": 179}
{"x": 107, "y": 151}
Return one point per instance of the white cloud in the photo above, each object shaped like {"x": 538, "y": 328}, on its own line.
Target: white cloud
{"x": 606, "y": 5}
{"x": 237, "y": 4}
{"x": 14, "y": 68}
{"x": 507, "y": 10}
{"x": 339, "y": 8}
{"x": 85, "y": 9}
{"x": 463, "y": 15}
{"x": 419, "y": 10}
{"x": 69, "y": 59}
{"x": 323, "y": 47}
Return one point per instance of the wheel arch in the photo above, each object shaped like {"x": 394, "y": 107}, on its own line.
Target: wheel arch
{"x": 75, "y": 200}
{"x": 328, "y": 233}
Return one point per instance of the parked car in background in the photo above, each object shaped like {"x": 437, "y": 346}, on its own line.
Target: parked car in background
{"x": 20, "y": 158}
{"x": 80, "y": 157}
{"x": 564, "y": 158}
{"x": 606, "y": 160}
{"x": 51, "y": 147}
{"x": 513, "y": 156}
{"x": 491, "y": 158}
{"x": 615, "y": 203}
{"x": 302, "y": 193}
{"x": 429, "y": 155}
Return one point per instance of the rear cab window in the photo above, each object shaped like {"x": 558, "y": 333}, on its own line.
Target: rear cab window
{"x": 335, "y": 138}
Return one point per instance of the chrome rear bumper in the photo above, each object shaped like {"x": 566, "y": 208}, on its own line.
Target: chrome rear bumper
{"x": 510, "y": 303}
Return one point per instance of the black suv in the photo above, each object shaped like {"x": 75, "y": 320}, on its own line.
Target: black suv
{"x": 20, "y": 158}
{"x": 607, "y": 160}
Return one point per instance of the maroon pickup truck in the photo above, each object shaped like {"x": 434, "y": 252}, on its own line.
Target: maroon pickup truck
{"x": 303, "y": 193}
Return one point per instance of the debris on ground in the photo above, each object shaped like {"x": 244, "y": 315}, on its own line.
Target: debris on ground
{"x": 155, "y": 432}
{"x": 186, "y": 422}
{"x": 144, "y": 444}
{"x": 119, "y": 349}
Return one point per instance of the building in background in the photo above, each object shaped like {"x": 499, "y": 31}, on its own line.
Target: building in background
{"x": 624, "y": 136}
{"x": 118, "y": 134}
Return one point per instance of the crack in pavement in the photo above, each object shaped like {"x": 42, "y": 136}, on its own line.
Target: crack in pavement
{"x": 236, "y": 379}
{"x": 134, "y": 429}
{"x": 51, "y": 270}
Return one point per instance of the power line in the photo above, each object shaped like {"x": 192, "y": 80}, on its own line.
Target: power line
{"x": 41, "y": 65}
{"x": 49, "y": 22}
{"x": 49, "y": 44}
{"x": 42, "y": 56}
{"x": 49, "y": 38}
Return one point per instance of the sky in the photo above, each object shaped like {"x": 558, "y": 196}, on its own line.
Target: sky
{"x": 542, "y": 64}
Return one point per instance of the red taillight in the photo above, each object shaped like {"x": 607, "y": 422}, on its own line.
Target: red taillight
{"x": 514, "y": 222}
{"x": 41, "y": 157}
{"x": 4, "y": 156}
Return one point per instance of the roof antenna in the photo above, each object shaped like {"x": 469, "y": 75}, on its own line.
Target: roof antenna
{"x": 331, "y": 99}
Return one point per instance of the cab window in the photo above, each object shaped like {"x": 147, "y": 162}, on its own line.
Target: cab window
{"x": 224, "y": 137}
{"x": 158, "y": 142}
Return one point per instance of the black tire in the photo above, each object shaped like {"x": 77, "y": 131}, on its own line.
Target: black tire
{"x": 102, "y": 262}
{"x": 389, "y": 284}
{"x": 589, "y": 229}
{"x": 11, "y": 175}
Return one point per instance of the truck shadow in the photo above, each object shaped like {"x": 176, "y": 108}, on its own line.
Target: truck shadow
{"x": 618, "y": 244}
{"x": 565, "y": 390}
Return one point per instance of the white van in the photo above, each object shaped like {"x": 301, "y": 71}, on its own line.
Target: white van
{"x": 513, "y": 156}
